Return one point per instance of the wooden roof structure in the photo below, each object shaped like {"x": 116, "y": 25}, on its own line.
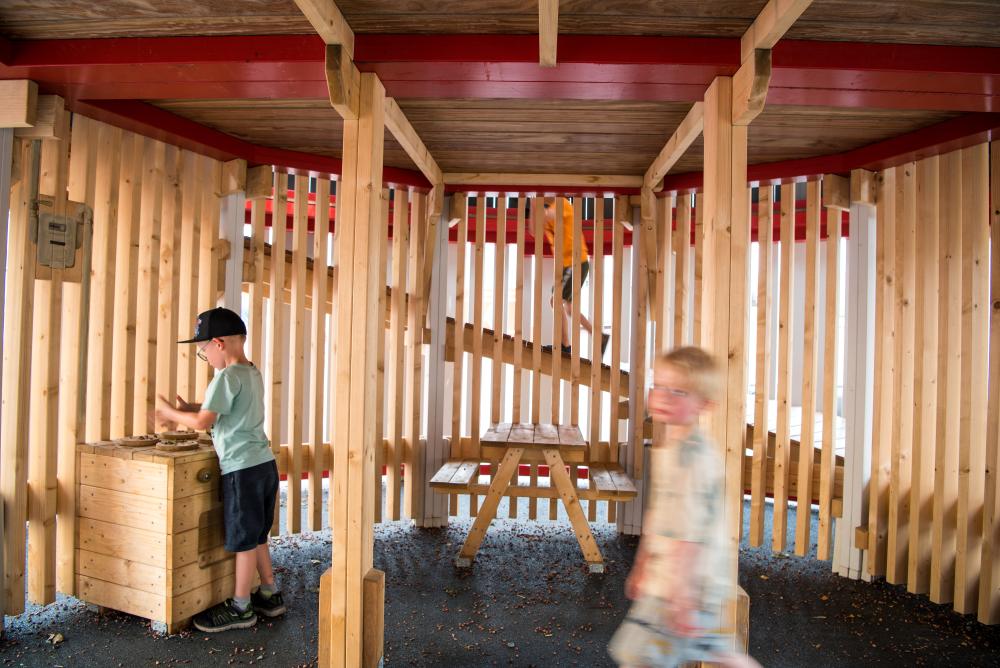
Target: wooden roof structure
{"x": 847, "y": 76}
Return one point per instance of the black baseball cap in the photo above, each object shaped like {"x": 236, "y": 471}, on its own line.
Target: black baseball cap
{"x": 216, "y": 323}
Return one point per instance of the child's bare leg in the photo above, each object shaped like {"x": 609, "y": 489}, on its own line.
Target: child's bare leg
{"x": 246, "y": 566}
{"x": 264, "y": 564}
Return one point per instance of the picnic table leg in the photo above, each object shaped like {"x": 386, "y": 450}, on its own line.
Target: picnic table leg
{"x": 498, "y": 487}
{"x": 570, "y": 500}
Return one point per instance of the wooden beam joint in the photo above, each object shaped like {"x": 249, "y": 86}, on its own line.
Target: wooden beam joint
{"x": 343, "y": 81}
{"x": 750, "y": 87}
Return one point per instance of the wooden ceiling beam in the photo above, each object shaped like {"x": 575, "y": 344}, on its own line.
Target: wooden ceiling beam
{"x": 548, "y": 32}
{"x": 771, "y": 24}
{"x": 750, "y": 87}
{"x": 685, "y": 134}
{"x": 329, "y": 23}
{"x": 400, "y": 127}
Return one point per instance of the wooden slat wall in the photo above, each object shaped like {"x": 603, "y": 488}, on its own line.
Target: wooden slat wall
{"x": 95, "y": 343}
{"x": 394, "y": 371}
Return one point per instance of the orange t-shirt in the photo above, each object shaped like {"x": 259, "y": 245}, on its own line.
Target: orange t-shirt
{"x": 567, "y": 245}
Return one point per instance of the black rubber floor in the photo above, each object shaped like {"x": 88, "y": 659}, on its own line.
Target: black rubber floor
{"x": 528, "y": 601}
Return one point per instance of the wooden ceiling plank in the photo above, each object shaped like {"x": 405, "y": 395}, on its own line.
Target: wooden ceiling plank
{"x": 546, "y": 180}
{"x": 774, "y": 20}
{"x": 685, "y": 134}
{"x": 327, "y": 20}
{"x": 548, "y": 32}
{"x": 400, "y": 127}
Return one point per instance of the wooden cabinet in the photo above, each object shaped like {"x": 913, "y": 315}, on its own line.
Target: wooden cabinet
{"x": 149, "y": 532}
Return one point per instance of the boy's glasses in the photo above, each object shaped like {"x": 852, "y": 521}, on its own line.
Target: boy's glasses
{"x": 671, "y": 391}
{"x": 201, "y": 352}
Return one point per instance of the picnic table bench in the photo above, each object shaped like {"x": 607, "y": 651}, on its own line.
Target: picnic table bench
{"x": 553, "y": 445}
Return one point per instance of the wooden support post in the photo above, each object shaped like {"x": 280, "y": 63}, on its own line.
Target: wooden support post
{"x": 380, "y": 430}
{"x": 460, "y": 201}
{"x": 726, "y": 295}
{"x": 475, "y": 391}
{"x": 359, "y": 325}
{"x": 538, "y": 217}
{"x": 519, "y": 312}
{"x": 574, "y": 368}
{"x": 17, "y": 340}
{"x": 698, "y": 262}
{"x": 682, "y": 281}
{"x": 499, "y": 306}
{"x": 20, "y": 103}
{"x": 597, "y": 453}
{"x": 557, "y": 308}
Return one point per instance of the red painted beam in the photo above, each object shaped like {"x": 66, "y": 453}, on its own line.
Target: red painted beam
{"x": 613, "y": 67}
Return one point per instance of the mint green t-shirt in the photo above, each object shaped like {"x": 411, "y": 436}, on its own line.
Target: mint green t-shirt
{"x": 236, "y": 393}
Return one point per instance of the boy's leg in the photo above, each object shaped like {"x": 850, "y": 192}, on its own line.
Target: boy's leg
{"x": 246, "y": 565}
{"x": 263, "y": 554}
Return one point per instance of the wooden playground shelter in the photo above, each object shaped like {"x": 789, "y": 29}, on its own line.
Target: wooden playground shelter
{"x": 808, "y": 189}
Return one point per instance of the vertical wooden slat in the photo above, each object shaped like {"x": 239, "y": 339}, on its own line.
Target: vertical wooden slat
{"x": 499, "y": 306}
{"x": 166, "y": 315}
{"x": 699, "y": 260}
{"x": 975, "y": 364}
{"x": 413, "y": 460}
{"x": 902, "y": 420}
{"x": 989, "y": 583}
{"x": 807, "y": 448}
{"x": 925, "y": 381}
{"x": 786, "y": 316}
{"x": 123, "y": 334}
{"x": 831, "y": 363}
{"x": 762, "y": 382}
{"x": 664, "y": 282}
{"x": 277, "y": 346}
{"x": 885, "y": 326}
{"x": 621, "y": 213}
{"x": 682, "y": 282}
{"x": 637, "y": 360}
{"x": 463, "y": 237}
{"x": 72, "y": 373}
{"x": 574, "y": 367}
{"x": 296, "y": 335}
{"x": 106, "y": 140}
{"x": 150, "y": 215}
{"x": 208, "y": 239}
{"x": 317, "y": 356}
{"x": 477, "y": 324}
{"x": 538, "y": 217}
{"x": 557, "y": 309}
{"x": 396, "y": 377}
{"x": 255, "y": 259}
{"x": 949, "y": 372}
{"x": 519, "y": 313}
{"x": 17, "y": 339}
{"x": 597, "y": 453}
{"x": 187, "y": 266}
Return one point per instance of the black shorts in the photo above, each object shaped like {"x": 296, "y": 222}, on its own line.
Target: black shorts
{"x": 248, "y": 498}
{"x": 567, "y": 280}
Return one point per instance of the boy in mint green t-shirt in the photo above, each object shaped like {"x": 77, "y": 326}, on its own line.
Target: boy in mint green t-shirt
{"x": 234, "y": 410}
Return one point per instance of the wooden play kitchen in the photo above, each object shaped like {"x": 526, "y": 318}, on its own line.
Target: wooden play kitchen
{"x": 553, "y": 445}
{"x": 150, "y": 533}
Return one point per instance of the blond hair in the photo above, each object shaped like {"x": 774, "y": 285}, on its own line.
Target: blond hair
{"x": 699, "y": 367}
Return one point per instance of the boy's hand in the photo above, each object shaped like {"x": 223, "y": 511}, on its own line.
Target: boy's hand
{"x": 183, "y": 405}
{"x": 164, "y": 411}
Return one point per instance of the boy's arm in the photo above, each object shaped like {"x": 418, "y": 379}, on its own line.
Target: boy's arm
{"x": 199, "y": 419}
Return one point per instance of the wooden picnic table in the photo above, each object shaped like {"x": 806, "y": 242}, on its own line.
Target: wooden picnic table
{"x": 551, "y": 444}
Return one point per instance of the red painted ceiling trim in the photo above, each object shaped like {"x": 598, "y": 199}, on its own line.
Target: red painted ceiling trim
{"x": 944, "y": 137}
{"x": 587, "y": 191}
{"x": 152, "y": 121}
{"x": 614, "y": 67}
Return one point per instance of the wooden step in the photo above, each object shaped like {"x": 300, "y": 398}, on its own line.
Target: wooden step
{"x": 455, "y": 476}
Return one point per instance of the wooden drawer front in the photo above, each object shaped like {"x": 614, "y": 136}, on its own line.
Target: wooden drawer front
{"x": 192, "y": 478}
{"x": 123, "y": 475}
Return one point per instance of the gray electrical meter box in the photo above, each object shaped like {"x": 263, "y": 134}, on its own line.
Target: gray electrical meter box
{"x": 59, "y": 237}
